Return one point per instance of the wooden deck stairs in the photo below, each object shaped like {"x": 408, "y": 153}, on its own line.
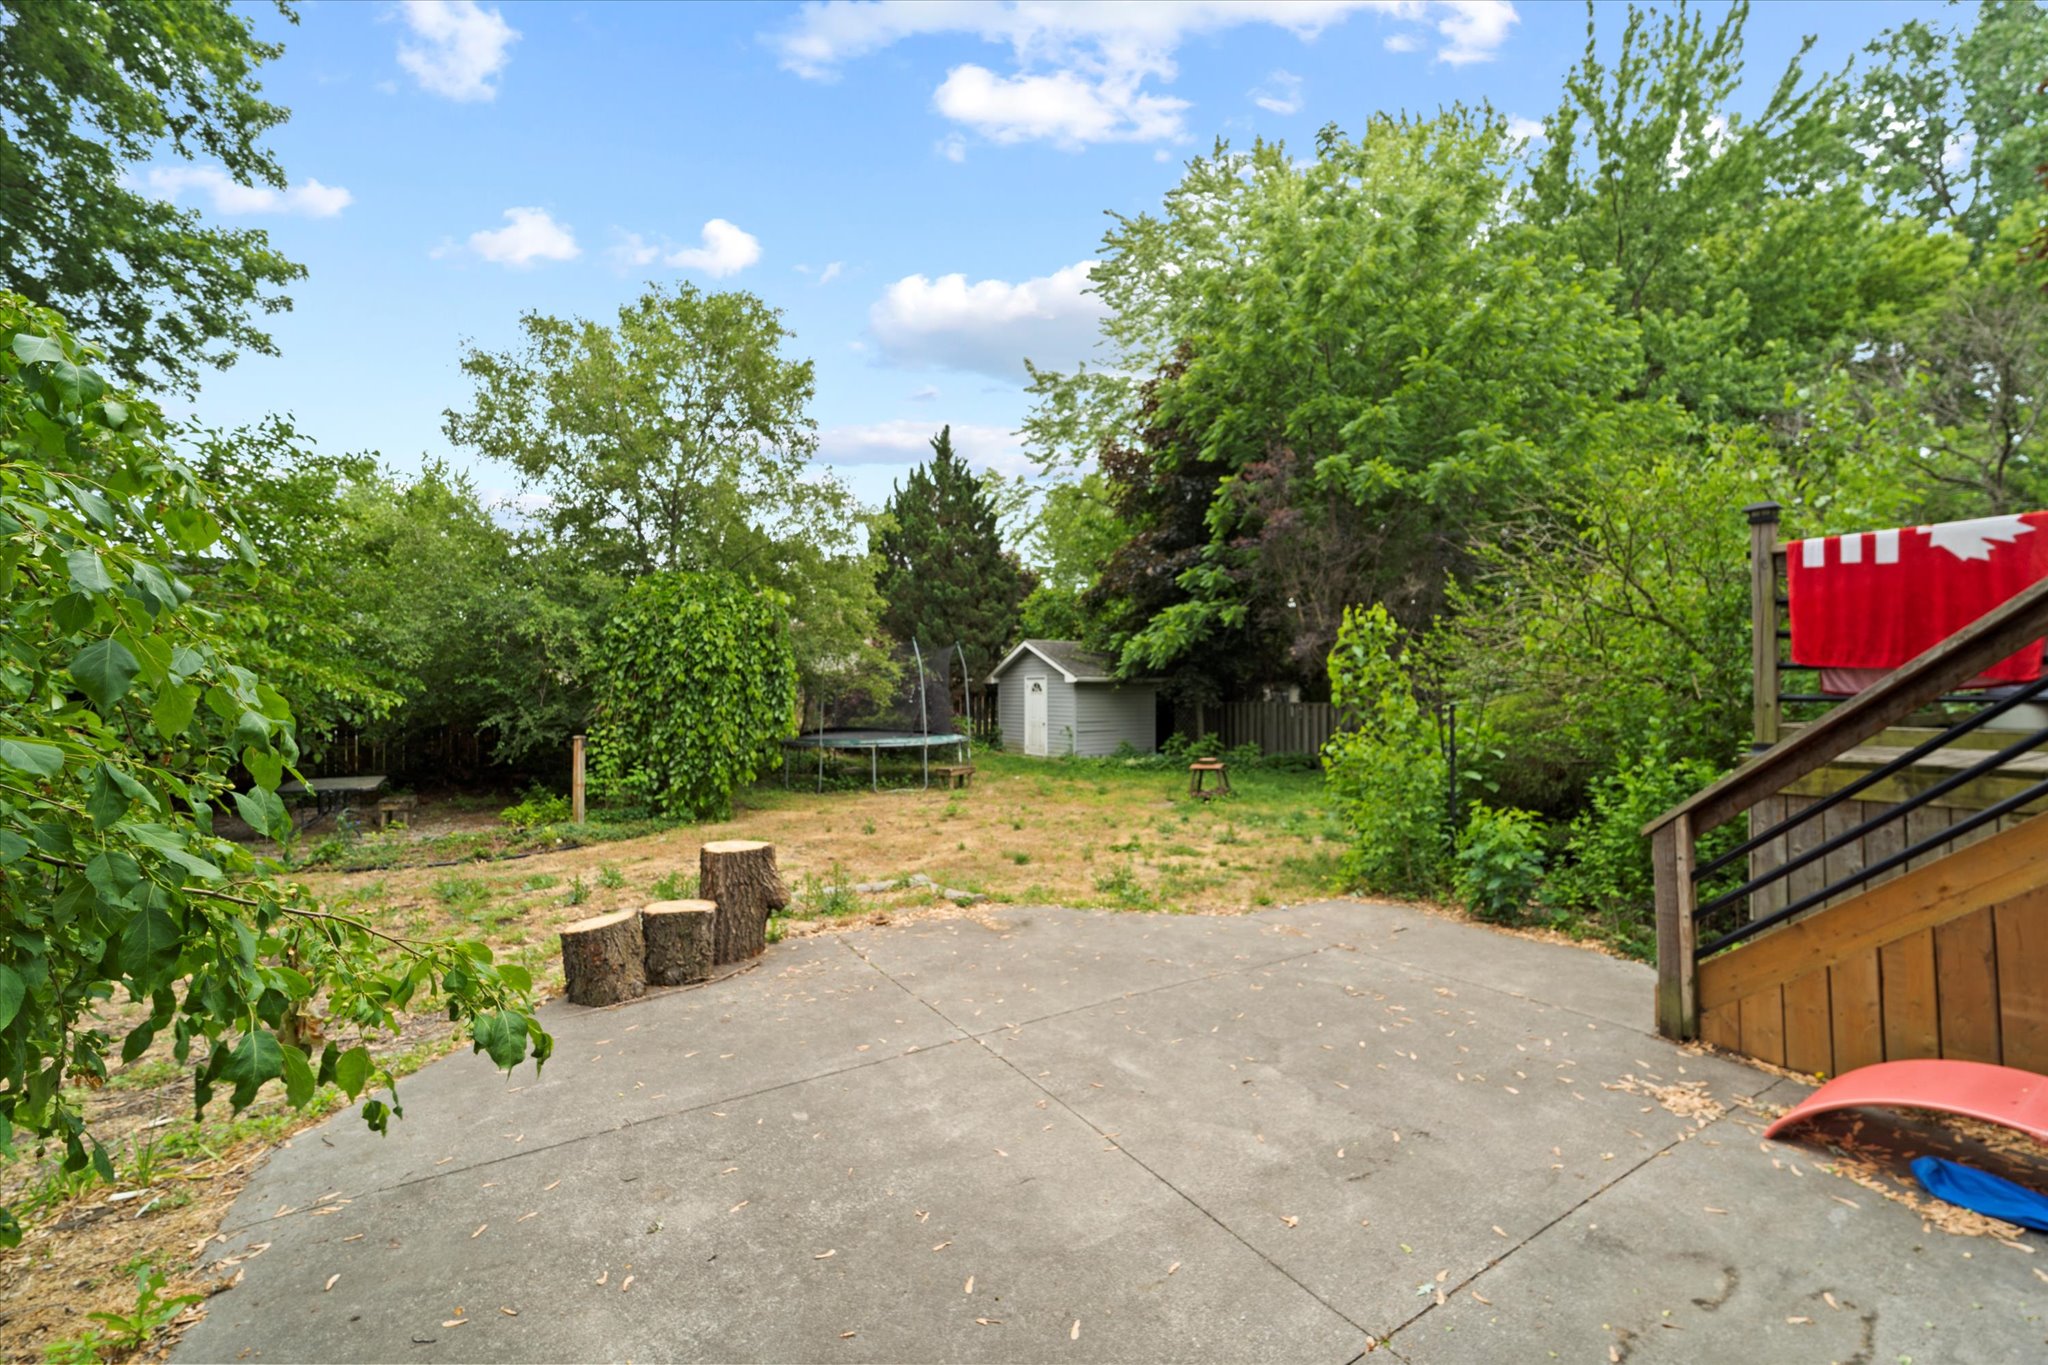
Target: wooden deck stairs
{"x": 1889, "y": 898}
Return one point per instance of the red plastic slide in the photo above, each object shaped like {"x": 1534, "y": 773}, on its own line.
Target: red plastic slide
{"x": 1995, "y": 1094}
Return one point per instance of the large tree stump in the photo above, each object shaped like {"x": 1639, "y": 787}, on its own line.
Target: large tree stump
{"x": 739, "y": 876}
{"x": 604, "y": 959}
{"x": 679, "y": 941}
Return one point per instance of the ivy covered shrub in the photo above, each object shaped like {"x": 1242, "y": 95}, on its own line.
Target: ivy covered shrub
{"x": 695, "y": 681}
{"x": 1387, "y": 774}
{"x": 124, "y": 716}
{"x": 1499, "y": 861}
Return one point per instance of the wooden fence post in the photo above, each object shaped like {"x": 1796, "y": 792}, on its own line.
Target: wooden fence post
{"x": 1671, "y": 854}
{"x": 1763, "y": 622}
{"x": 576, "y": 778}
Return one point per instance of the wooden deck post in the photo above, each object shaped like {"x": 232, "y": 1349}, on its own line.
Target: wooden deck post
{"x": 1671, "y": 854}
{"x": 576, "y": 779}
{"x": 1763, "y": 621}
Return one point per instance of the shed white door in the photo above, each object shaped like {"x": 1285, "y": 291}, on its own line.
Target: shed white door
{"x": 1034, "y": 716}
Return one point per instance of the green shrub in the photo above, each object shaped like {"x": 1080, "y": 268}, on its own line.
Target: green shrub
{"x": 696, "y": 683}
{"x": 538, "y": 807}
{"x": 1388, "y": 775}
{"x": 1499, "y": 861}
{"x": 1606, "y": 868}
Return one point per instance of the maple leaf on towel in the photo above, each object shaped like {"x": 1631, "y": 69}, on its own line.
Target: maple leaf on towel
{"x": 1874, "y": 599}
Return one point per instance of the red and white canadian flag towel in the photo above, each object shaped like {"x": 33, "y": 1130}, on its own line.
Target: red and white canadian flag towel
{"x": 1874, "y": 599}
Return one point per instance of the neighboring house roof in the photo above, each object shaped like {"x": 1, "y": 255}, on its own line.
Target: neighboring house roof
{"x": 1075, "y": 664}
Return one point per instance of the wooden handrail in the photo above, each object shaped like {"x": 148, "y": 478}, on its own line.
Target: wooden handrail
{"x": 2003, "y": 631}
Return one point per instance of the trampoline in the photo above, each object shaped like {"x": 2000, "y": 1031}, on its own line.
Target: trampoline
{"x": 916, "y": 715}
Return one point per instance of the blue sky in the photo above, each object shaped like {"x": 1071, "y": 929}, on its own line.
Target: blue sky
{"x": 916, "y": 187}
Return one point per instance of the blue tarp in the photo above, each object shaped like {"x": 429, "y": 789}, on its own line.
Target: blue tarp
{"x": 1982, "y": 1192}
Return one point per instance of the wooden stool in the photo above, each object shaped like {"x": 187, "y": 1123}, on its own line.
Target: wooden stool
{"x": 954, "y": 774}
{"x": 1196, "y": 772}
{"x": 395, "y": 807}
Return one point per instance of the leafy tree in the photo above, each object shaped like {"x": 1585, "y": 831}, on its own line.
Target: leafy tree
{"x": 678, "y": 439}
{"x": 1943, "y": 419}
{"x": 123, "y": 716}
{"x": 1074, "y": 533}
{"x": 946, "y": 577}
{"x": 92, "y": 89}
{"x": 1356, "y": 366}
{"x": 1952, "y": 120}
{"x": 1746, "y": 247}
{"x": 695, "y": 682}
{"x": 475, "y": 623}
{"x": 292, "y": 619}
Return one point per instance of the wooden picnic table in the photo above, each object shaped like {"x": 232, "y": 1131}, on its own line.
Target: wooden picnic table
{"x": 333, "y": 793}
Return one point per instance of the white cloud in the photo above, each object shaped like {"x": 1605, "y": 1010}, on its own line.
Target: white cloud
{"x": 1402, "y": 42}
{"x": 726, "y": 250}
{"x": 1473, "y": 29}
{"x": 908, "y": 441}
{"x": 831, "y": 272}
{"x": 1080, "y": 69}
{"x": 1281, "y": 94}
{"x": 460, "y": 47}
{"x": 1525, "y": 129}
{"x": 1064, "y": 108}
{"x": 989, "y": 326}
{"x": 953, "y": 147}
{"x": 529, "y": 235}
{"x": 924, "y": 394}
{"x": 308, "y": 199}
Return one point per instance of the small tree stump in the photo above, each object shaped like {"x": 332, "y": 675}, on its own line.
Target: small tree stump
{"x": 679, "y": 941}
{"x": 739, "y": 876}
{"x": 604, "y": 959}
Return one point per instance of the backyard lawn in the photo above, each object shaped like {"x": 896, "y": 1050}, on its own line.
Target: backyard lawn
{"x": 1101, "y": 833}
{"x": 1097, "y": 833}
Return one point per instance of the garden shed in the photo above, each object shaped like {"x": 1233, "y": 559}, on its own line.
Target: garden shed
{"x": 1054, "y": 697}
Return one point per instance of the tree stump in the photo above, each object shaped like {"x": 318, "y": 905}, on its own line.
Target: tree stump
{"x": 604, "y": 959}
{"x": 739, "y": 876}
{"x": 679, "y": 941}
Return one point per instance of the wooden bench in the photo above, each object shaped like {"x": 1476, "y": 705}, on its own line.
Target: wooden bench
{"x": 951, "y": 775}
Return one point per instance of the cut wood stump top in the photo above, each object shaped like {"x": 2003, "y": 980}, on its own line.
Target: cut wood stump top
{"x": 595, "y": 922}
{"x": 734, "y": 845}
{"x": 681, "y": 908}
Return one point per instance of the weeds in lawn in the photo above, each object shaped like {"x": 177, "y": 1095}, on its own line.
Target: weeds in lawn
{"x": 577, "y": 892}
{"x": 463, "y": 895}
{"x": 125, "y": 1333}
{"x": 829, "y": 899}
{"x": 541, "y": 881}
{"x": 1020, "y": 857}
{"x": 1122, "y": 886}
{"x": 609, "y": 877}
{"x": 676, "y": 886}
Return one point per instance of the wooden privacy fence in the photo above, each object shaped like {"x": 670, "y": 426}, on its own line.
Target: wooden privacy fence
{"x": 445, "y": 752}
{"x": 1278, "y": 727}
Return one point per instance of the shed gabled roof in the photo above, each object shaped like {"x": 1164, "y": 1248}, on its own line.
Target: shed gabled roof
{"x": 1075, "y": 664}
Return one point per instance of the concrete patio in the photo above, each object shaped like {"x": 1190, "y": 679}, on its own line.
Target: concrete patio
{"x": 1308, "y": 1134}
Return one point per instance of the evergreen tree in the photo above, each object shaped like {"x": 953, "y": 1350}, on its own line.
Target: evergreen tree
{"x": 945, "y": 574}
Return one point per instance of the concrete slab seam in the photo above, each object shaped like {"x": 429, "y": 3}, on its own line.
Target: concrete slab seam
{"x": 1132, "y": 1157}
{"x": 1591, "y": 1196}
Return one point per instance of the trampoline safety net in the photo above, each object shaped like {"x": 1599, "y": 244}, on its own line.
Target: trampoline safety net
{"x": 924, "y": 704}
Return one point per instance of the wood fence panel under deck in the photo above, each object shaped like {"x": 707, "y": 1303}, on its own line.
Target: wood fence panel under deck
{"x": 1949, "y": 959}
